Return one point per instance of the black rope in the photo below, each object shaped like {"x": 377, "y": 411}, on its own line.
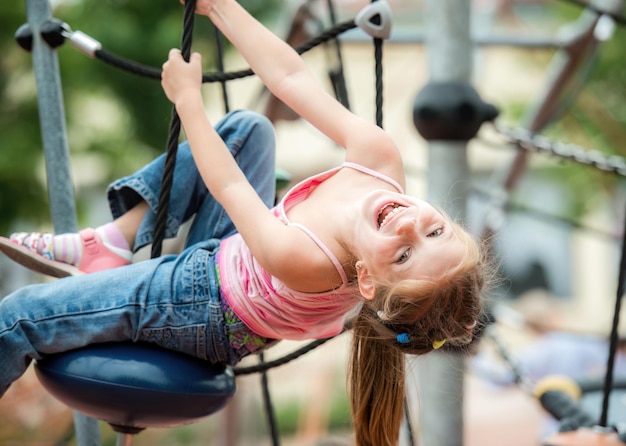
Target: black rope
{"x": 378, "y": 57}
{"x": 282, "y": 360}
{"x": 326, "y": 36}
{"x": 608, "y": 382}
{"x": 409, "y": 425}
{"x": 220, "y": 66}
{"x": 172, "y": 142}
{"x": 314, "y": 42}
{"x": 155, "y": 73}
{"x": 267, "y": 401}
{"x": 337, "y": 75}
{"x": 128, "y": 65}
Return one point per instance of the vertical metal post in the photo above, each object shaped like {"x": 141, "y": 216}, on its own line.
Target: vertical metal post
{"x": 56, "y": 152}
{"x": 439, "y": 374}
{"x": 52, "y": 119}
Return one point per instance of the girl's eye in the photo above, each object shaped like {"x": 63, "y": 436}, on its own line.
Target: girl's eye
{"x": 436, "y": 233}
{"x": 405, "y": 256}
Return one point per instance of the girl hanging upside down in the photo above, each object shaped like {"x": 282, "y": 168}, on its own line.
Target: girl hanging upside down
{"x": 346, "y": 241}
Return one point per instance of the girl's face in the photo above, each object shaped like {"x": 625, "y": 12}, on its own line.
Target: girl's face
{"x": 401, "y": 237}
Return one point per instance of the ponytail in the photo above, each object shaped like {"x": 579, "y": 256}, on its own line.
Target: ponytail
{"x": 376, "y": 383}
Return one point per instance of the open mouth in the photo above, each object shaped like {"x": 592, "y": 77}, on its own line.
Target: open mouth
{"x": 387, "y": 212}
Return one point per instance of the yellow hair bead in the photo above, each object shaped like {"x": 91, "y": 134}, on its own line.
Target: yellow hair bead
{"x": 438, "y": 344}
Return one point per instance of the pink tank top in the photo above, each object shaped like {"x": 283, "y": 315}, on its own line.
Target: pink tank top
{"x": 266, "y": 305}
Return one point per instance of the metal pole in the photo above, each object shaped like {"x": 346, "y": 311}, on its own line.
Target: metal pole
{"x": 56, "y": 152}
{"x": 52, "y": 119}
{"x": 440, "y": 374}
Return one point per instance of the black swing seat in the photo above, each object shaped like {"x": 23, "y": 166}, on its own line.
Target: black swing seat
{"x": 133, "y": 386}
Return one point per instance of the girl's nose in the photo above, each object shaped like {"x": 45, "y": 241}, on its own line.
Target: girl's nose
{"x": 406, "y": 226}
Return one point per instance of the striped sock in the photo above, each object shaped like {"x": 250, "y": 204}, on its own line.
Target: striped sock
{"x": 67, "y": 248}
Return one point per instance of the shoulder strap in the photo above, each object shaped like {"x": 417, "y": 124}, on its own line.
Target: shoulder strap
{"x": 373, "y": 173}
{"x": 323, "y": 247}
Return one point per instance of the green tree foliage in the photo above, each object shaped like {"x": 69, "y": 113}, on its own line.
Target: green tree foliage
{"x": 21, "y": 195}
{"x": 116, "y": 121}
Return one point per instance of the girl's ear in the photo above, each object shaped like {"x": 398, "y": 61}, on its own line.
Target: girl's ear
{"x": 367, "y": 285}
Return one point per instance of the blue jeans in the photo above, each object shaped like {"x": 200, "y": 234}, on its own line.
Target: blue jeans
{"x": 173, "y": 300}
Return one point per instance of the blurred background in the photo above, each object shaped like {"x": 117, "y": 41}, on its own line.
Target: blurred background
{"x": 557, "y": 238}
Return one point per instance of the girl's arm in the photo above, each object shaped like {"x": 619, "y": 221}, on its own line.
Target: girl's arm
{"x": 269, "y": 240}
{"x": 286, "y": 75}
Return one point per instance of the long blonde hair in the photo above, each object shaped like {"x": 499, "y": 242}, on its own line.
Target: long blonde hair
{"x": 423, "y": 312}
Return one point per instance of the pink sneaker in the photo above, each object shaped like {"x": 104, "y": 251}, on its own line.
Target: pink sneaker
{"x": 95, "y": 257}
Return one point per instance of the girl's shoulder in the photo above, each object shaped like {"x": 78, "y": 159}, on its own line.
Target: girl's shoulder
{"x": 372, "y": 147}
{"x": 374, "y": 173}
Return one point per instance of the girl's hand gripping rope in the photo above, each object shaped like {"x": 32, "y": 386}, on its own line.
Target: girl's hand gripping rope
{"x": 180, "y": 79}
{"x": 203, "y": 7}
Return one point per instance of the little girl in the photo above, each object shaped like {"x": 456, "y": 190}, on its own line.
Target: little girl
{"x": 346, "y": 241}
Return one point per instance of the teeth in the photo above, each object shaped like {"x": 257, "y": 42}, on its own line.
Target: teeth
{"x": 396, "y": 208}
{"x": 391, "y": 214}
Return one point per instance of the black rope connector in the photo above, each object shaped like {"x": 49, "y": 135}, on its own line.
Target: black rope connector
{"x": 450, "y": 111}
{"x": 375, "y": 19}
{"x": 24, "y": 37}
{"x": 53, "y": 32}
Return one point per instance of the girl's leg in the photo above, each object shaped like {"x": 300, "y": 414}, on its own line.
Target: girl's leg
{"x": 128, "y": 223}
{"x": 172, "y": 301}
{"x": 249, "y": 137}
{"x": 134, "y": 200}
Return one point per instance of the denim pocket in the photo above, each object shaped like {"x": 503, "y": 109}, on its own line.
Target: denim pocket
{"x": 190, "y": 339}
